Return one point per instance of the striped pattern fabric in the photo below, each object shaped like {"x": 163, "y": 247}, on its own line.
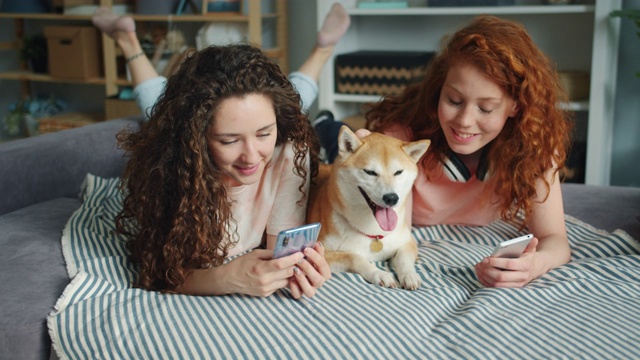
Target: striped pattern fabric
{"x": 587, "y": 309}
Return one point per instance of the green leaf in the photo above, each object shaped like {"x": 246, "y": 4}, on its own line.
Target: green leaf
{"x": 632, "y": 14}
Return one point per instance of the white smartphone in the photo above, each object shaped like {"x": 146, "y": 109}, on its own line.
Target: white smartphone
{"x": 296, "y": 239}
{"x": 512, "y": 248}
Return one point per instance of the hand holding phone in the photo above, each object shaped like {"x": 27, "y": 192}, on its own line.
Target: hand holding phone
{"x": 296, "y": 239}
{"x": 512, "y": 248}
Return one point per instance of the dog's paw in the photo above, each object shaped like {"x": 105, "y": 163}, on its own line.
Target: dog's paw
{"x": 384, "y": 278}
{"x": 410, "y": 281}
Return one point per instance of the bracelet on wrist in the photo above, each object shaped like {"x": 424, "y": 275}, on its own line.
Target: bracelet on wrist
{"x": 135, "y": 56}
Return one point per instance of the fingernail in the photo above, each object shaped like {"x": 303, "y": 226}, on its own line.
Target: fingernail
{"x": 320, "y": 244}
{"x": 296, "y": 270}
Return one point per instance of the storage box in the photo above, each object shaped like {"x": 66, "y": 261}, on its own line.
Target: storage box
{"x": 218, "y": 6}
{"x": 116, "y": 108}
{"x": 74, "y": 51}
{"x": 379, "y": 72}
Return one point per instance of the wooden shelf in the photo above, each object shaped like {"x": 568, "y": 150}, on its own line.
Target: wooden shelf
{"x": 111, "y": 80}
{"x": 177, "y": 18}
{"x": 24, "y": 75}
{"x": 477, "y": 10}
{"x": 363, "y": 99}
{"x": 576, "y": 37}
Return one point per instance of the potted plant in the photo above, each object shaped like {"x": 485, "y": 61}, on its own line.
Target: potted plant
{"x": 631, "y": 14}
{"x": 14, "y": 124}
{"x": 34, "y": 51}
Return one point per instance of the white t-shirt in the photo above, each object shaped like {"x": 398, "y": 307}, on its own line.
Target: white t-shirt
{"x": 271, "y": 203}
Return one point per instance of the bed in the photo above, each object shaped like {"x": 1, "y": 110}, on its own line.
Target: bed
{"x": 588, "y": 308}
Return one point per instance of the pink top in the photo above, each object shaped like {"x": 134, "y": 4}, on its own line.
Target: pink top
{"x": 270, "y": 203}
{"x": 443, "y": 201}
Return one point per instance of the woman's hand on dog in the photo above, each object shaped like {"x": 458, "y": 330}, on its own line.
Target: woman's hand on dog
{"x": 310, "y": 273}
{"x": 506, "y": 272}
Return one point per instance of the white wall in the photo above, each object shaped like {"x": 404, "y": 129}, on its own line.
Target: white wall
{"x": 302, "y": 35}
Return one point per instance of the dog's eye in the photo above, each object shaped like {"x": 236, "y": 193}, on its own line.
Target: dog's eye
{"x": 370, "y": 172}
{"x": 398, "y": 172}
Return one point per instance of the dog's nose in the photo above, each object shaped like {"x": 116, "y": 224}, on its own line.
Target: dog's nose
{"x": 390, "y": 199}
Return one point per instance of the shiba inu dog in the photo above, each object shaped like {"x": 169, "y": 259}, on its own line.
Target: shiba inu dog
{"x": 361, "y": 201}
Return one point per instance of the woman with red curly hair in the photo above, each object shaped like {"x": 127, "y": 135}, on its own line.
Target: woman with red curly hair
{"x": 488, "y": 103}
{"x": 223, "y": 164}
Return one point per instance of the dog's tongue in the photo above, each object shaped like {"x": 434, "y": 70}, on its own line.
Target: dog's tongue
{"x": 386, "y": 218}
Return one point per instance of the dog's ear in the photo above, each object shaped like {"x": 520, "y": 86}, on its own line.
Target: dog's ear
{"x": 348, "y": 142}
{"x": 416, "y": 149}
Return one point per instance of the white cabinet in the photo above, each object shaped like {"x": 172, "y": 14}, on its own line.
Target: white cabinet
{"x": 575, "y": 37}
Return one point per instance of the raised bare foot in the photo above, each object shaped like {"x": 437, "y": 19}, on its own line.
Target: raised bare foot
{"x": 334, "y": 26}
{"x": 109, "y": 22}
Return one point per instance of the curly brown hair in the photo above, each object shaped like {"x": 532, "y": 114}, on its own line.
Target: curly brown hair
{"x": 176, "y": 214}
{"x": 535, "y": 140}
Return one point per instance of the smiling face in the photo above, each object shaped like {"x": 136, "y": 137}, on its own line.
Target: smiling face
{"x": 243, "y": 137}
{"x": 472, "y": 109}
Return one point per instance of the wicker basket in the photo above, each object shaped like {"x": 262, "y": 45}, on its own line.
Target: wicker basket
{"x": 66, "y": 121}
{"x": 116, "y": 108}
{"x": 368, "y": 72}
{"x": 575, "y": 83}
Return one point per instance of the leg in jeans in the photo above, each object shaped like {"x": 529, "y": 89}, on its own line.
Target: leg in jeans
{"x": 122, "y": 29}
{"x": 305, "y": 80}
{"x": 328, "y": 129}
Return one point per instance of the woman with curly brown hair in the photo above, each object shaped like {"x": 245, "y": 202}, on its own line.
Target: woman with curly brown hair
{"x": 223, "y": 164}
{"x": 488, "y": 103}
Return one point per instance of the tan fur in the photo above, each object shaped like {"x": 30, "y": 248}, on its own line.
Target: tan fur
{"x": 385, "y": 169}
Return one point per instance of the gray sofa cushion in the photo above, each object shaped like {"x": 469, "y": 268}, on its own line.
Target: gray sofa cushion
{"x": 32, "y": 275}
{"x": 607, "y": 208}
{"x": 54, "y": 165}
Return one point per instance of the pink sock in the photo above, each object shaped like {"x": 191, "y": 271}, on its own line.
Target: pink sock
{"x": 108, "y": 22}
{"x": 334, "y": 26}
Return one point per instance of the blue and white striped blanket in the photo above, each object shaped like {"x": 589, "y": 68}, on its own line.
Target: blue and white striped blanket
{"x": 589, "y": 308}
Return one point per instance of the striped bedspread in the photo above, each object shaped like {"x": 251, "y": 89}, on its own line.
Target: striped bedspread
{"x": 587, "y": 309}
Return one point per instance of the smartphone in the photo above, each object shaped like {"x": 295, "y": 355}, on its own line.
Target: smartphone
{"x": 296, "y": 239}
{"x": 512, "y": 248}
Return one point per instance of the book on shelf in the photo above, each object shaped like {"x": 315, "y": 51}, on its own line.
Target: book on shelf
{"x": 383, "y": 4}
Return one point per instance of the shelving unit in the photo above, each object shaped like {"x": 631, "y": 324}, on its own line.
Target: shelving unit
{"x": 577, "y": 37}
{"x": 254, "y": 19}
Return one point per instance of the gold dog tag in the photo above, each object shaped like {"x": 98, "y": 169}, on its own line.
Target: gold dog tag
{"x": 376, "y": 246}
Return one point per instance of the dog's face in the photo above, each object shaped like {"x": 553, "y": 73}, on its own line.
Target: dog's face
{"x": 376, "y": 173}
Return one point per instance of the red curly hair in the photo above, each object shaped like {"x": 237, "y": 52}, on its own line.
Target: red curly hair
{"x": 176, "y": 215}
{"x": 536, "y": 140}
